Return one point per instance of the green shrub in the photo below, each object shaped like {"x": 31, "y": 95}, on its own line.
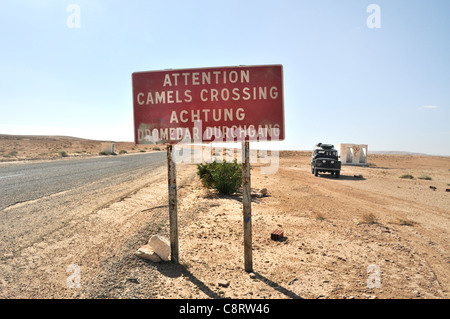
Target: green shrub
{"x": 63, "y": 153}
{"x": 369, "y": 219}
{"x": 224, "y": 177}
{"x": 409, "y": 176}
{"x": 204, "y": 171}
{"x": 425, "y": 177}
{"x": 123, "y": 152}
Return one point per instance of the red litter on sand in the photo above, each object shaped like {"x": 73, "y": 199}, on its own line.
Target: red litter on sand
{"x": 276, "y": 234}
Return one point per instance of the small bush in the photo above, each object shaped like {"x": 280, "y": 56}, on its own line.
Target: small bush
{"x": 425, "y": 177}
{"x": 204, "y": 171}
{"x": 63, "y": 153}
{"x": 406, "y": 222}
{"x": 103, "y": 153}
{"x": 123, "y": 152}
{"x": 408, "y": 176}
{"x": 369, "y": 219}
{"x": 319, "y": 216}
{"x": 156, "y": 148}
{"x": 224, "y": 177}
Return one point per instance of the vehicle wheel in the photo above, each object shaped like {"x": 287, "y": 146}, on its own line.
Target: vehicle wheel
{"x": 337, "y": 173}
{"x": 312, "y": 170}
{"x": 316, "y": 172}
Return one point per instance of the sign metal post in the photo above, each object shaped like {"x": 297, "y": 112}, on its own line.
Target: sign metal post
{"x": 247, "y": 207}
{"x": 173, "y": 205}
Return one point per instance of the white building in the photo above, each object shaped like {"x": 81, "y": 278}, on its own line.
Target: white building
{"x": 108, "y": 147}
{"x": 352, "y": 154}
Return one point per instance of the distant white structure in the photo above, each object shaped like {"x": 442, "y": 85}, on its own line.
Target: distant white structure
{"x": 108, "y": 147}
{"x": 352, "y": 154}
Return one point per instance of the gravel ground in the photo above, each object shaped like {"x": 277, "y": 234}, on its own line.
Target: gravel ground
{"x": 338, "y": 235}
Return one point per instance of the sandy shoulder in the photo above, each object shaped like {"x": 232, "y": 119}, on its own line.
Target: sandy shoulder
{"x": 329, "y": 249}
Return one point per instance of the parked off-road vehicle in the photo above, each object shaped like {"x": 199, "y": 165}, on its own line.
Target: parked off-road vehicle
{"x": 325, "y": 160}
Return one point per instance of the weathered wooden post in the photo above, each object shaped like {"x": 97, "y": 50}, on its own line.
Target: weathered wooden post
{"x": 173, "y": 207}
{"x": 247, "y": 206}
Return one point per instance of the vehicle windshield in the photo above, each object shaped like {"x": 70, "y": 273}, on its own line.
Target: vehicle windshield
{"x": 323, "y": 153}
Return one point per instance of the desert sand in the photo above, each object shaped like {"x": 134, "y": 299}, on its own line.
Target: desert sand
{"x": 369, "y": 234}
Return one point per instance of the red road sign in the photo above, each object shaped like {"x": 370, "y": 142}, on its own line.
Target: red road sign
{"x": 209, "y": 104}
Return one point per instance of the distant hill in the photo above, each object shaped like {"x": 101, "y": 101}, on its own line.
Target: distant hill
{"x": 380, "y": 152}
{"x": 32, "y": 147}
{"x": 399, "y": 153}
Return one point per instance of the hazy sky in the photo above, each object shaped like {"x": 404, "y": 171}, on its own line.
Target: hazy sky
{"x": 353, "y": 73}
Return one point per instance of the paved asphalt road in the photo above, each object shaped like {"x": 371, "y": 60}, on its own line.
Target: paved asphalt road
{"x": 22, "y": 182}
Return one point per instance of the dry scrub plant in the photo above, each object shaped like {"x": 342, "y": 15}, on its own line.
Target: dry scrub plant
{"x": 224, "y": 177}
